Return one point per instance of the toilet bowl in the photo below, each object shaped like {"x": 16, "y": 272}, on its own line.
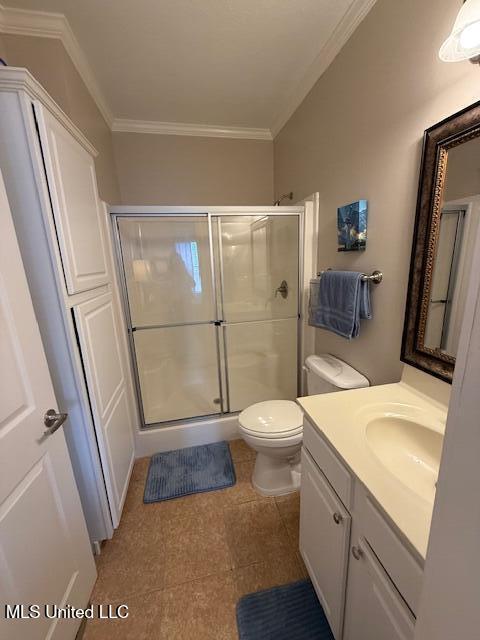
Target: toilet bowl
{"x": 274, "y": 428}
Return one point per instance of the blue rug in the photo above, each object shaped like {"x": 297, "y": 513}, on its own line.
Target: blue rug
{"x": 184, "y": 471}
{"x": 290, "y": 612}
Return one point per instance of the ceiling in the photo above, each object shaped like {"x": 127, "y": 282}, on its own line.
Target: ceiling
{"x": 221, "y": 63}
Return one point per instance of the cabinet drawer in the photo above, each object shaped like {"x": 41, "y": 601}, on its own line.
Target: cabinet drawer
{"x": 402, "y": 567}
{"x": 335, "y": 471}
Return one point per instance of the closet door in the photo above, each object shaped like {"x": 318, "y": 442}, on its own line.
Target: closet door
{"x": 72, "y": 185}
{"x": 101, "y": 353}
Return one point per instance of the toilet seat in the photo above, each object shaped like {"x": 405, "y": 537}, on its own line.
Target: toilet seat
{"x": 273, "y": 419}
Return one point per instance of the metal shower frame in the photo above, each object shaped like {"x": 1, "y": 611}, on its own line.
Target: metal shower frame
{"x": 117, "y": 212}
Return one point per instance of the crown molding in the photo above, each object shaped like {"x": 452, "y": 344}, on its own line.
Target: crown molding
{"x": 19, "y": 80}
{"x": 345, "y": 28}
{"x": 188, "y": 129}
{"x": 55, "y": 25}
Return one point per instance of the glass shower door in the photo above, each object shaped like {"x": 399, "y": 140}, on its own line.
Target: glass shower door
{"x": 258, "y": 269}
{"x": 167, "y": 264}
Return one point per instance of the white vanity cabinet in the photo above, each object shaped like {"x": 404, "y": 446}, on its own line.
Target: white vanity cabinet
{"x": 366, "y": 578}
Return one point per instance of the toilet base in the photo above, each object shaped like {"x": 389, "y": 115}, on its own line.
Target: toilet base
{"x": 276, "y": 476}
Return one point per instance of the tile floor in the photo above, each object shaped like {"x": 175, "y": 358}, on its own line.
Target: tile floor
{"x": 181, "y": 565}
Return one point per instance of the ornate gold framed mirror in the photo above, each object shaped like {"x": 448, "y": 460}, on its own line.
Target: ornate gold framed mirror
{"x": 447, "y": 219}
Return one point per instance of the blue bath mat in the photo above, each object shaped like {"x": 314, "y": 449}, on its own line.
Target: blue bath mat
{"x": 290, "y": 612}
{"x": 184, "y": 471}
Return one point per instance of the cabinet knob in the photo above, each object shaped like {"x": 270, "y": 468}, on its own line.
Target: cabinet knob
{"x": 337, "y": 517}
{"x": 357, "y": 553}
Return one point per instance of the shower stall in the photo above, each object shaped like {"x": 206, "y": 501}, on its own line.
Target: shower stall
{"x": 212, "y": 304}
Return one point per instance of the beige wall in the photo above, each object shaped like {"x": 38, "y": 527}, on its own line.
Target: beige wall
{"x": 176, "y": 170}
{"x": 152, "y": 169}
{"x": 358, "y": 134}
{"x": 3, "y": 48}
{"x": 49, "y": 63}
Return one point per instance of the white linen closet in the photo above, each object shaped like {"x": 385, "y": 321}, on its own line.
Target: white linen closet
{"x": 49, "y": 172}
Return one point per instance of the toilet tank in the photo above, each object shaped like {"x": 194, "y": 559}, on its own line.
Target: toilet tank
{"x": 325, "y": 374}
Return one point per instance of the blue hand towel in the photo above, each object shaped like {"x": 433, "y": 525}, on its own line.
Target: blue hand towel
{"x": 338, "y": 300}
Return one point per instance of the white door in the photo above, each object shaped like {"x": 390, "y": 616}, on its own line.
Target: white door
{"x": 45, "y": 553}
{"x": 107, "y": 387}
{"x": 374, "y": 609}
{"x": 324, "y": 540}
{"x": 76, "y": 207}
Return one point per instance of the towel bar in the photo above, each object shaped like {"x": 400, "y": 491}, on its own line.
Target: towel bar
{"x": 376, "y": 277}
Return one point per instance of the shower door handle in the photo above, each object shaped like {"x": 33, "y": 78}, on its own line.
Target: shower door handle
{"x": 282, "y": 289}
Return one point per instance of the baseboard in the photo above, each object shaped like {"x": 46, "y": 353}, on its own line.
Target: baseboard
{"x": 190, "y": 434}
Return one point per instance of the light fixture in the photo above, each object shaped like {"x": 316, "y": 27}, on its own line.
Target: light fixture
{"x": 464, "y": 41}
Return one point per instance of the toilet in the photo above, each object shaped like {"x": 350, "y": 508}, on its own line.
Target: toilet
{"x": 274, "y": 429}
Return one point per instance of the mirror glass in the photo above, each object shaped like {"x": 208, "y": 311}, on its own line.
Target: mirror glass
{"x": 456, "y": 231}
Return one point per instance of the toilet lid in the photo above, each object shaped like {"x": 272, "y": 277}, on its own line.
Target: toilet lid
{"x": 272, "y": 419}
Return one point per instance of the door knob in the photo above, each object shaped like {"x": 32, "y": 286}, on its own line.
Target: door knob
{"x": 337, "y": 517}
{"x": 53, "y": 421}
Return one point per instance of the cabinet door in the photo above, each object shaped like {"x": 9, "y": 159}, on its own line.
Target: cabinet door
{"x": 374, "y": 609}
{"x": 72, "y": 185}
{"x": 324, "y": 541}
{"x": 107, "y": 388}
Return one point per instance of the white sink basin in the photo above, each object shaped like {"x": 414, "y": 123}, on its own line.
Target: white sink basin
{"x": 408, "y": 444}
{"x": 390, "y": 436}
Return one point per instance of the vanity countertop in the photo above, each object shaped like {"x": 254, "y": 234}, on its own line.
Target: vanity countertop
{"x": 344, "y": 419}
